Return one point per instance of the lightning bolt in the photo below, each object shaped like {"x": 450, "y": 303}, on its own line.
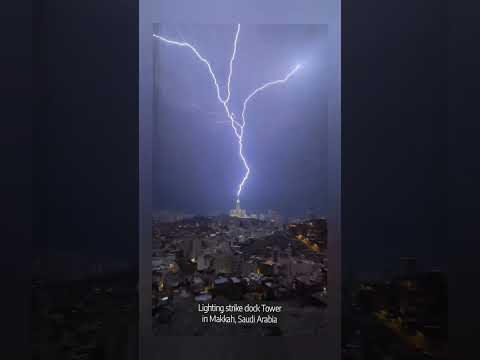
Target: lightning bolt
{"x": 238, "y": 127}
{"x": 244, "y": 109}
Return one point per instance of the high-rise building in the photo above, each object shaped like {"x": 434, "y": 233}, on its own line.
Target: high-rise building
{"x": 223, "y": 264}
{"x": 238, "y": 211}
{"x": 196, "y": 248}
{"x": 203, "y": 262}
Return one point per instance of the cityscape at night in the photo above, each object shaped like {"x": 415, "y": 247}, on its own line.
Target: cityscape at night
{"x": 402, "y": 315}
{"x": 239, "y": 259}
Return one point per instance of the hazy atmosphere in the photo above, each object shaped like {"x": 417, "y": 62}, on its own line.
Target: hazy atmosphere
{"x": 197, "y": 167}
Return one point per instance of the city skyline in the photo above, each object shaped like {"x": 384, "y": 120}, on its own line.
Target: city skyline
{"x": 239, "y": 259}
{"x": 306, "y": 213}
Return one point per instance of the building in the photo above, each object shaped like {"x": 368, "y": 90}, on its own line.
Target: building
{"x": 238, "y": 212}
{"x": 196, "y": 248}
{"x": 203, "y": 262}
{"x": 273, "y": 216}
{"x": 237, "y": 264}
{"x": 164, "y": 263}
{"x": 223, "y": 264}
{"x": 187, "y": 245}
{"x": 248, "y": 267}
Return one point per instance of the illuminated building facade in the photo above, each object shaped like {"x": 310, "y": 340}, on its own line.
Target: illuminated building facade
{"x": 238, "y": 212}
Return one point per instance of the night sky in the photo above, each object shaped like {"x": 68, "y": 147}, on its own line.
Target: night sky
{"x": 196, "y": 164}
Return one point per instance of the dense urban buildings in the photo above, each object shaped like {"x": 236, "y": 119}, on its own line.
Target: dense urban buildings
{"x": 93, "y": 315}
{"x": 239, "y": 259}
{"x": 404, "y": 316}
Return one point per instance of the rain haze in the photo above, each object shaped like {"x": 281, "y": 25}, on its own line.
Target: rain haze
{"x": 196, "y": 163}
